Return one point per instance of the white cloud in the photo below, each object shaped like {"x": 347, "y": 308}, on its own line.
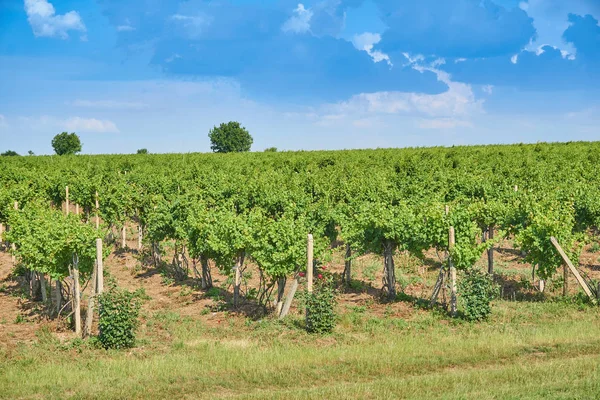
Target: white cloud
{"x": 3, "y": 123}
{"x": 45, "y": 22}
{"x": 109, "y": 104}
{"x": 194, "y": 25}
{"x": 514, "y": 59}
{"x": 125, "y": 28}
{"x": 172, "y": 58}
{"x": 489, "y": 89}
{"x": 551, "y": 19}
{"x": 76, "y": 124}
{"x": 453, "y": 108}
{"x": 90, "y": 125}
{"x": 438, "y": 62}
{"x": 300, "y": 22}
{"x": 366, "y": 41}
{"x": 458, "y": 100}
{"x": 444, "y": 123}
{"x": 592, "y": 112}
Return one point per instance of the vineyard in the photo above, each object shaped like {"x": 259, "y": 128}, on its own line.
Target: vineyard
{"x": 235, "y": 227}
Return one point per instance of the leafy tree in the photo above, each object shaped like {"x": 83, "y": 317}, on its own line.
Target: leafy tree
{"x": 271, "y": 150}
{"x": 230, "y": 137}
{"x": 9, "y": 153}
{"x": 142, "y": 151}
{"x": 30, "y": 152}
{"x": 66, "y": 143}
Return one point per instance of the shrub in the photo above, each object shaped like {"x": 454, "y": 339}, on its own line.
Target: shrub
{"x": 477, "y": 289}
{"x": 320, "y": 314}
{"x": 119, "y": 311}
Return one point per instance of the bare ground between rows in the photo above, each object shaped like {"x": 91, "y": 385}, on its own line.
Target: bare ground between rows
{"x": 21, "y": 318}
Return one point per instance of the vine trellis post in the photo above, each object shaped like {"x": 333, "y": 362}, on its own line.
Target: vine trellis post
{"x": 66, "y": 200}
{"x": 76, "y": 295}
{"x": 99, "y": 267}
{"x": 490, "y": 252}
{"x": 567, "y": 261}
{"x": 348, "y": 265}
{"x": 13, "y": 246}
{"x": 451, "y": 243}
{"x": 97, "y": 212}
{"x": 309, "y": 264}
{"x": 89, "y": 319}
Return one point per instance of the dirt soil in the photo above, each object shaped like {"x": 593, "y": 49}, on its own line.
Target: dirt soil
{"x": 21, "y": 317}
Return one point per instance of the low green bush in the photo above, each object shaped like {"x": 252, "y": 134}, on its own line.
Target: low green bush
{"x": 119, "y": 311}
{"x": 320, "y": 313}
{"x": 477, "y": 289}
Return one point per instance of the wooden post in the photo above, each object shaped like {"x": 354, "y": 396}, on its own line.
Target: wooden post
{"x": 140, "y": 236}
{"x": 32, "y": 276}
{"x": 516, "y": 188}
{"x": 348, "y": 265}
{"x": 206, "y": 277}
{"x": 89, "y": 318}
{"x": 236, "y": 287}
{"x": 58, "y": 296}
{"x": 43, "y": 287}
{"x": 280, "y": 292}
{"x": 289, "y": 298}
{"x": 76, "y": 295}
{"x": 309, "y": 264}
{"x": 238, "y": 278}
{"x": 451, "y": 242}
{"x": 76, "y": 208}
{"x": 67, "y": 200}
{"x": 97, "y": 212}
{"x": 389, "y": 270}
{"x": 566, "y": 259}
{"x": 99, "y": 267}
{"x": 490, "y": 252}
{"x": 123, "y": 237}
{"x": 565, "y": 280}
{"x": 13, "y": 246}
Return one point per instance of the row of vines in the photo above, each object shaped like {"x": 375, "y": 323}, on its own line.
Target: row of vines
{"x": 224, "y": 211}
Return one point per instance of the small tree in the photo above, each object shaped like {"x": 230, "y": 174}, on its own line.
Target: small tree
{"x": 9, "y": 153}
{"x": 230, "y": 137}
{"x": 271, "y": 150}
{"x": 30, "y": 152}
{"x": 66, "y": 143}
{"x": 142, "y": 151}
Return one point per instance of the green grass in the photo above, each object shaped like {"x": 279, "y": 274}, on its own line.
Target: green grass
{"x": 527, "y": 351}
{"x": 370, "y": 270}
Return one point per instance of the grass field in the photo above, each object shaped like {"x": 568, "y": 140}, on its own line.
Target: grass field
{"x": 537, "y": 347}
{"x": 527, "y": 350}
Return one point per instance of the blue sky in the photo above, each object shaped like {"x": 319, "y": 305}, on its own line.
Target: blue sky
{"x": 318, "y": 74}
